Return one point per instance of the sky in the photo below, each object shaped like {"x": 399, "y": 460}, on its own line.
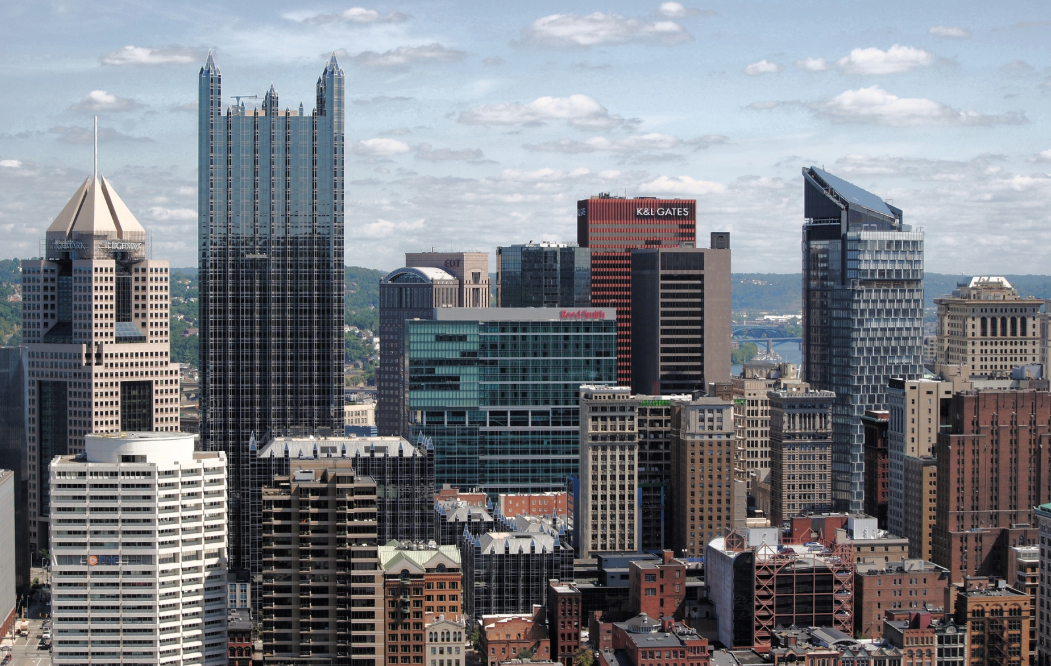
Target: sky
{"x": 475, "y": 124}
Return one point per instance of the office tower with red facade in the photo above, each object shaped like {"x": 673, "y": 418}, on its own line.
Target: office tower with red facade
{"x": 614, "y": 226}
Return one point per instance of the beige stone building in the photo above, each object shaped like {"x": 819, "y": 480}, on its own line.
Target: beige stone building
{"x": 800, "y": 452}
{"x": 921, "y": 489}
{"x": 609, "y": 451}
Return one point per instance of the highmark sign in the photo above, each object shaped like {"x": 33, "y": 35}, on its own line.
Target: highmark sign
{"x": 582, "y": 314}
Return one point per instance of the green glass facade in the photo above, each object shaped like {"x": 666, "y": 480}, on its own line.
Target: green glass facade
{"x": 500, "y": 399}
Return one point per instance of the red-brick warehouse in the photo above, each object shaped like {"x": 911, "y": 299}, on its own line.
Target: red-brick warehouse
{"x": 994, "y": 466}
{"x": 657, "y": 589}
{"x": 612, "y": 227}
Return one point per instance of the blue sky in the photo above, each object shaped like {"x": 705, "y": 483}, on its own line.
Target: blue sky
{"x": 473, "y": 124}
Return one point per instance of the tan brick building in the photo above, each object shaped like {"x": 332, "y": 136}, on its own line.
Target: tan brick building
{"x": 997, "y": 617}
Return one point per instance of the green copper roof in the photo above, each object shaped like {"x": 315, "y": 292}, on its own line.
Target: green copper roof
{"x": 393, "y": 550}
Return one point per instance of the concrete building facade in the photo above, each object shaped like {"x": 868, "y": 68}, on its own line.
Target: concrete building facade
{"x": 156, "y": 511}
{"x": 707, "y": 502}
{"x": 609, "y": 447}
{"x": 800, "y": 452}
{"x": 1043, "y": 596}
{"x": 680, "y": 334}
{"x": 322, "y": 591}
{"x": 95, "y": 311}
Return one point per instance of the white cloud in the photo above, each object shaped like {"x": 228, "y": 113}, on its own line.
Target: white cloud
{"x": 161, "y": 213}
{"x": 424, "y": 151}
{"x": 406, "y": 56}
{"x": 812, "y": 64}
{"x": 877, "y": 106}
{"x": 598, "y": 29}
{"x": 380, "y": 147}
{"x": 100, "y": 100}
{"x": 764, "y": 66}
{"x": 679, "y": 10}
{"x": 579, "y": 110}
{"x": 354, "y": 15}
{"x": 141, "y": 55}
{"x": 630, "y": 144}
{"x": 10, "y": 164}
{"x": 894, "y": 60}
{"x": 681, "y": 186}
{"x": 949, "y": 32}
{"x": 1042, "y": 156}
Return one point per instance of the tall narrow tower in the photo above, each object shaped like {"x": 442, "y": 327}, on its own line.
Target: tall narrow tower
{"x": 270, "y": 210}
{"x": 95, "y": 310}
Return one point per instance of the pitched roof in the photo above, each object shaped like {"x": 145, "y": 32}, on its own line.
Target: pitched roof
{"x": 95, "y": 209}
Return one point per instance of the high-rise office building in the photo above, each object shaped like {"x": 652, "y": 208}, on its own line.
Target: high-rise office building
{"x": 470, "y": 269}
{"x": 9, "y": 573}
{"x": 406, "y": 293}
{"x": 497, "y": 391}
{"x": 270, "y": 235}
{"x": 609, "y": 449}
{"x": 543, "y": 275}
{"x": 95, "y": 311}
{"x": 322, "y": 583}
{"x": 862, "y": 312}
{"x": 992, "y": 471}
{"x": 14, "y": 453}
{"x": 610, "y": 227}
{"x": 987, "y": 328}
{"x": 800, "y": 452}
{"x": 1043, "y": 627}
{"x": 148, "y": 586}
{"x": 706, "y": 500}
{"x": 680, "y": 304}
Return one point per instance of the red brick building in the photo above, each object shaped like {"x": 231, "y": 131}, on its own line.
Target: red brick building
{"x": 912, "y": 585}
{"x": 643, "y": 641}
{"x": 452, "y": 493}
{"x": 539, "y": 504}
{"x": 239, "y": 637}
{"x": 657, "y": 589}
{"x": 994, "y": 465}
{"x": 612, "y": 227}
{"x": 504, "y": 637}
{"x": 877, "y": 464}
{"x": 564, "y": 620}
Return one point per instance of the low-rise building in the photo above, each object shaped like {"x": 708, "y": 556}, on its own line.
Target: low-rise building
{"x": 239, "y": 636}
{"x": 914, "y": 585}
{"x": 508, "y": 636}
{"x": 657, "y": 588}
{"x": 825, "y": 646}
{"x": 997, "y": 619}
{"x": 644, "y": 641}
{"x": 923, "y": 641}
{"x": 533, "y": 504}
{"x": 444, "y": 644}
{"x": 564, "y": 618}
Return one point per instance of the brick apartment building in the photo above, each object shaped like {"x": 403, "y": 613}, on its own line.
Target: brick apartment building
{"x": 997, "y": 619}
{"x": 912, "y": 585}
{"x": 564, "y": 620}
{"x": 505, "y": 637}
{"x": 657, "y": 588}
{"x": 992, "y": 469}
{"x": 644, "y": 641}
{"x": 535, "y": 504}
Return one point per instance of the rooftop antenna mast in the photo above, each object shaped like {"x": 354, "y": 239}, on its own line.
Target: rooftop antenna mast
{"x": 95, "y": 173}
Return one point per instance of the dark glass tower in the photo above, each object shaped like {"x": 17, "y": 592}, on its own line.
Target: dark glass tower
{"x": 270, "y": 208}
{"x": 862, "y": 313}
{"x": 543, "y": 275}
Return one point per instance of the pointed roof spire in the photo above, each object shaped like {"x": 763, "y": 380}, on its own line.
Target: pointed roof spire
{"x": 332, "y": 64}
{"x": 209, "y": 65}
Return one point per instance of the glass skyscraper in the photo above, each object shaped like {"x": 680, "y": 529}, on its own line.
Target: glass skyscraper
{"x": 543, "y": 275}
{"x": 497, "y": 390}
{"x": 862, "y": 312}
{"x": 270, "y": 206}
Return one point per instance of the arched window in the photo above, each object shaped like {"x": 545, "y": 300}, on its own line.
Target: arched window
{"x": 1003, "y": 327}
{"x": 985, "y": 331}
{"x": 1014, "y": 327}
{"x": 1023, "y": 326}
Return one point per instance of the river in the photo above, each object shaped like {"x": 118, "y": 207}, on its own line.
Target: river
{"x": 789, "y": 351}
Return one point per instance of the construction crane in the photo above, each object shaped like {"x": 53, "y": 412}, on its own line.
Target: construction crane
{"x": 240, "y": 97}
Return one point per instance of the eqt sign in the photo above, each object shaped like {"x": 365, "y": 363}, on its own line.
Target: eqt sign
{"x": 673, "y": 211}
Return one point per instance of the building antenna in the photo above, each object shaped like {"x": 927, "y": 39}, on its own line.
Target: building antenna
{"x": 95, "y": 173}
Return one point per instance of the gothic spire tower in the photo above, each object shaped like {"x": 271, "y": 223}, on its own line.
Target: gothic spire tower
{"x": 270, "y": 217}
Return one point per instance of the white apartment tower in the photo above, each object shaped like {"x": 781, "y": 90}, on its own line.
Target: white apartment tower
{"x": 95, "y": 310}
{"x": 609, "y": 452}
{"x": 139, "y": 552}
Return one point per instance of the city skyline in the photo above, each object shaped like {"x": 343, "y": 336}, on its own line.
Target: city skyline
{"x": 454, "y": 115}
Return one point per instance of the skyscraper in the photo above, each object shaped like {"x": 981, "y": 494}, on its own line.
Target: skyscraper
{"x": 96, "y": 335}
{"x": 543, "y": 275}
{"x": 270, "y": 216}
{"x": 862, "y": 312}
{"x": 680, "y": 339}
{"x": 613, "y": 226}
